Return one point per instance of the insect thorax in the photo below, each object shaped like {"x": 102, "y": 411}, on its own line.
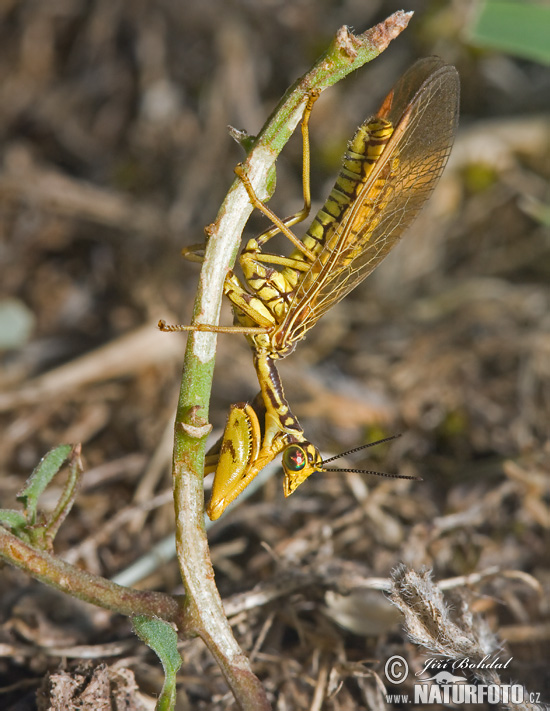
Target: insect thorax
{"x": 275, "y": 288}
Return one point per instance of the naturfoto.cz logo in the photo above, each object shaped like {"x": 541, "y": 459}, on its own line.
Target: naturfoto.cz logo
{"x": 445, "y": 686}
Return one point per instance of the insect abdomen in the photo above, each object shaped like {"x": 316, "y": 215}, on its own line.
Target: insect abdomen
{"x": 364, "y": 150}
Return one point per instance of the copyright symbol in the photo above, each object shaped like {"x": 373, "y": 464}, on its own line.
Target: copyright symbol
{"x": 396, "y": 670}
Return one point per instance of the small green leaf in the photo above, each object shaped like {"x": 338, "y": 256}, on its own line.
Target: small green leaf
{"x": 66, "y": 500}
{"x": 519, "y": 28}
{"x": 14, "y": 520}
{"x": 163, "y": 640}
{"x": 242, "y": 137}
{"x": 47, "y": 468}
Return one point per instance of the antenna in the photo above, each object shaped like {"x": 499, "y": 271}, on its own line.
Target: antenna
{"x": 366, "y": 471}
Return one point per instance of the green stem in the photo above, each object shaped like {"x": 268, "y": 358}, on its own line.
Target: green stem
{"x": 67, "y": 498}
{"x": 206, "y": 616}
{"x": 86, "y": 586}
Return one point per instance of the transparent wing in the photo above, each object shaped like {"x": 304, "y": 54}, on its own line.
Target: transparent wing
{"x": 423, "y": 107}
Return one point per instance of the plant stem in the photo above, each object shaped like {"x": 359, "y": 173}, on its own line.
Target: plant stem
{"x": 86, "y": 586}
{"x": 206, "y": 616}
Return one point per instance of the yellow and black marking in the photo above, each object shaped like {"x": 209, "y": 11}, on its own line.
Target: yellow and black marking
{"x": 276, "y": 288}
{"x": 364, "y": 150}
{"x": 248, "y": 445}
{"x": 390, "y": 169}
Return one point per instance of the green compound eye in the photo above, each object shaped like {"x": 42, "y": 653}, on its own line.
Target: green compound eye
{"x": 294, "y": 458}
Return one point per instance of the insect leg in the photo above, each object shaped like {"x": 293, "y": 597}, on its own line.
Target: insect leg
{"x": 192, "y": 253}
{"x": 302, "y": 214}
{"x": 195, "y": 252}
{"x": 247, "y": 305}
{"x": 253, "y": 316}
{"x": 278, "y": 224}
{"x": 239, "y": 450}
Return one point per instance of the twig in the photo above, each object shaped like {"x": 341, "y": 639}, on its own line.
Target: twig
{"x": 91, "y": 588}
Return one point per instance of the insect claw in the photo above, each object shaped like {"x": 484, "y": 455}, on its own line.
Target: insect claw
{"x": 169, "y": 328}
{"x": 239, "y": 171}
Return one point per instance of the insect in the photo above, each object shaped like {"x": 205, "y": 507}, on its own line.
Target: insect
{"x": 389, "y": 170}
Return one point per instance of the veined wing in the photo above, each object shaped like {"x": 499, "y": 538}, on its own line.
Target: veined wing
{"x": 423, "y": 108}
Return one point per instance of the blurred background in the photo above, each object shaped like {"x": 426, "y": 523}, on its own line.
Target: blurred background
{"x": 115, "y": 155}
